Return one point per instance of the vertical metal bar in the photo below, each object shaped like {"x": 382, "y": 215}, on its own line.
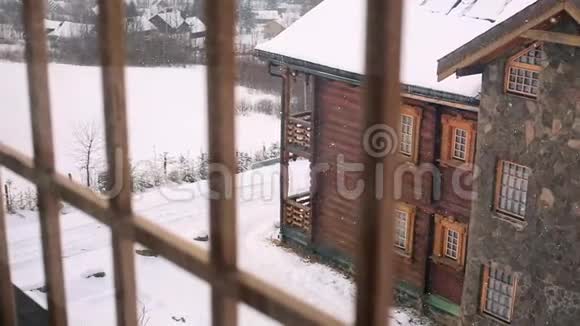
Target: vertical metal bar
{"x": 284, "y": 155}
{"x": 48, "y": 201}
{"x": 112, "y": 44}
{"x": 7, "y": 304}
{"x": 374, "y": 272}
{"x": 221, "y": 72}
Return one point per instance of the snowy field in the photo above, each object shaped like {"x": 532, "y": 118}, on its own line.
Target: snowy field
{"x": 167, "y": 111}
{"x": 168, "y": 295}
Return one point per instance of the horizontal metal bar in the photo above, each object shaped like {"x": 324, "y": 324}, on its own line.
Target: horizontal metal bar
{"x": 258, "y": 294}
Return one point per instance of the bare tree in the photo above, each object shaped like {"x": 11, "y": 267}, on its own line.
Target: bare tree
{"x": 143, "y": 315}
{"x": 87, "y": 148}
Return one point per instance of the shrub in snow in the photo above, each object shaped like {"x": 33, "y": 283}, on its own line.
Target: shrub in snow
{"x": 96, "y": 275}
{"x": 146, "y": 252}
{"x": 201, "y": 236}
{"x": 269, "y": 107}
{"x": 243, "y": 107}
{"x": 202, "y": 167}
{"x": 244, "y": 161}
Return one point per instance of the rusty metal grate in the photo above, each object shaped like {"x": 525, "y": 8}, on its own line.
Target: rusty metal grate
{"x": 229, "y": 285}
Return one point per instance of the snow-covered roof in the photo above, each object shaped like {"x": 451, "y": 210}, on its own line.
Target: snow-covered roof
{"x": 172, "y": 17}
{"x": 139, "y": 24}
{"x": 195, "y": 24}
{"x": 51, "y": 24}
{"x": 70, "y": 29}
{"x": 267, "y": 14}
{"x": 333, "y": 35}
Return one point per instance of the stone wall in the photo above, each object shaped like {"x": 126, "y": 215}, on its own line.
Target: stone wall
{"x": 544, "y": 250}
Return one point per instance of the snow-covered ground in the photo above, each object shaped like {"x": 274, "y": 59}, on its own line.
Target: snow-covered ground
{"x": 166, "y": 293}
{"x": 167, "y": 111}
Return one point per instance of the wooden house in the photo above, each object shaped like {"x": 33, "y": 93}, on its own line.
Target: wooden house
{"x": 272, "y": 28}
{"x": 524, "y": 267}
{"x": 170, "y": 21}
{"x": 435, "y": 143}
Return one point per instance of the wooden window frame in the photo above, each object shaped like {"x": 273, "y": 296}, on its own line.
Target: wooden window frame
{"x": 485, "y": 288}
{"x": 449, "y": 125}
{"x": 498, "y": 188}
{"x": 512, "y": 63}
{"x": 455, "y": 144}
{"x": 442, "y": 225}
{"x": 448, "y": 245}
{"x": 416, "y": 114}
{"x": 411, "y": 134}
{"x": 407, "y": 251}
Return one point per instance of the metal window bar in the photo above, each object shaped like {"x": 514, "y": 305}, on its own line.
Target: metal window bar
{"x": 229, "y": 285}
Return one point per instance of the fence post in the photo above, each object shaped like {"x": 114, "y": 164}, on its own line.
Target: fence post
{"x": 7, "y": 194}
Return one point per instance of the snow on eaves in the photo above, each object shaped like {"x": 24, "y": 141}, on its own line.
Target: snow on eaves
{"x": 195, "y": 24}
{"x": 333, "y": 35}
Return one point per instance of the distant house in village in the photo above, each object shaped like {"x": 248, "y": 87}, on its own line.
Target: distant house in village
{"x": 139, "y": 24}
{"x": 521, "y": 126}
{"x": 66, "y": 29}
{"x": 170, "y": 21}
{"x": 9, "y": 33}
{"x": 198, "y": 32}
{"x": 51, "y": 25}
{"x": 272, "y": 28}
{"x": 265, "y": 16}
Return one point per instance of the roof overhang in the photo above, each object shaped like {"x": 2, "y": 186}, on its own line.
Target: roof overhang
{"x": 472, "y": 56}
{"x": 409, "y": 91}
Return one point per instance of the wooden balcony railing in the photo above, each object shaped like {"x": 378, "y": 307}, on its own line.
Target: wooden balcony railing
{"x": 298, "y": 212}
{"x": 298, "y": 131}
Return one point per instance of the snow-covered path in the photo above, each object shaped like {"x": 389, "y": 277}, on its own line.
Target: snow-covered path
{"x": 167, "y": 293}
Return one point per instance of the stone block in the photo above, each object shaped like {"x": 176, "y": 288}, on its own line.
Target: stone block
{"x": 574, "y": 144}
{"x": 556, "y": 127}
{"x": 576, "y": 125}
{"x": 530, "y": 132}
{"x": 547, "y": 198}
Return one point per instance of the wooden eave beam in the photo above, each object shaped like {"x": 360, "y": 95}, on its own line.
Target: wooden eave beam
{"x": 573, "y": 9}
{"x": 552, "y": 37}
{"x": 473, "y": 57}
{"x": 471, "y": 70}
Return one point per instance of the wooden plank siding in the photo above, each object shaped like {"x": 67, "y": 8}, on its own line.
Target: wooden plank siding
{"x": 339, "y": 130}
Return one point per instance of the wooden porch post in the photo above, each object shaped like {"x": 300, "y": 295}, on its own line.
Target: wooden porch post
{"x": 284, "y": 155}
